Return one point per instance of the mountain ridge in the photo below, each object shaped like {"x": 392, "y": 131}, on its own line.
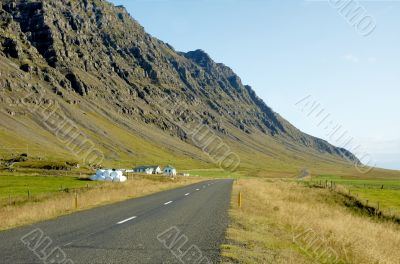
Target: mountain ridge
{"x": 94, "y": 56}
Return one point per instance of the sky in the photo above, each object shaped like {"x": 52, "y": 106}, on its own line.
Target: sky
{"x": 329, "y": 67}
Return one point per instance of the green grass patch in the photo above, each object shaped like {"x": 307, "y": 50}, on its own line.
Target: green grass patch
{"x": 356, "y": 182}
{"x": 386, "y": 192}
{"x": 18, "y": 186}
{"x": 388, "y": 199}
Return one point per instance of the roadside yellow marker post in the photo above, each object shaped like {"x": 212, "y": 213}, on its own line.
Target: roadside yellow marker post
{"x": 76, "y": 201}
{"x": 240, "y": 200}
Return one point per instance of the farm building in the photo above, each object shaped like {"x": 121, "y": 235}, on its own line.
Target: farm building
{"x": 148, "y": 169}
{"x": 169, "y": 170}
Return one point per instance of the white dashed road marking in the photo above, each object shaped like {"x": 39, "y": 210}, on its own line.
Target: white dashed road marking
{"x": 187, "y": 194}
{"x": 126, "y": 220}
{"x": 168, "y": 202}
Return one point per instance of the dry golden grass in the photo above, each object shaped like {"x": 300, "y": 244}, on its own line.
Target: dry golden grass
{"x": 284, "y": 222}
{"x": 61, "y": 204}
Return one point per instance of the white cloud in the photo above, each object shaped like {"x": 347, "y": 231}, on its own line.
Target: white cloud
{"x": 385, "y": 152}
{"x": 380, "y": 145}
{"x": 351, "y": 58}
{"x": 355, "y": 59}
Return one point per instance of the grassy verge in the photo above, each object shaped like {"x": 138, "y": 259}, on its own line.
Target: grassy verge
{"x": 63, "y": 203}
{"x": 286, "y": 222}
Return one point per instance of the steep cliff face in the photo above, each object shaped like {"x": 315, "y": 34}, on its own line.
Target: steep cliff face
{"x": 93, "y": 54}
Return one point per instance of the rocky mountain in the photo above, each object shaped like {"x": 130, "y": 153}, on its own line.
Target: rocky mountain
{"x": 103, "y": 69}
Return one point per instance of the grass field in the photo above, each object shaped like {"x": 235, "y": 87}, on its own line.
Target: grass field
{"x": 282, "y": 221}
{"x": 18, "y": 186}
{"x": 386, "y": 192}
{"x": 29, "y": 179}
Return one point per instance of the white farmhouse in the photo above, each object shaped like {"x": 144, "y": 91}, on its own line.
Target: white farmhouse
{"x": 148, "y": 169}
{"x": 169, "y": 170}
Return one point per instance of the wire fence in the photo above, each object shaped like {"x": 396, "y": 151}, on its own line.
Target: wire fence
{"x": 14, "y": 199}
{"x": 371, "y": 207}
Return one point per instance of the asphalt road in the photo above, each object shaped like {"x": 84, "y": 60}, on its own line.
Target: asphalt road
{"x": 184, "y": 225}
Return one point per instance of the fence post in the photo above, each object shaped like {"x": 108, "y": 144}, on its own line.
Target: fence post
{"x": 367, "y": 202}
{"x": 9, "y": 199}
{"x": 240, "y": 200}
{"x": 29, "y": 195}
{"x": 76, "y": 200}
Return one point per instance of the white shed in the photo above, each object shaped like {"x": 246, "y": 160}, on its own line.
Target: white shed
{"x": 148, "y": 169}
{"x": 169, "y": 170}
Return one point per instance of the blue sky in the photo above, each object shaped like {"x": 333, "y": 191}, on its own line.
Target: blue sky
{"x": 292, "y": 50}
